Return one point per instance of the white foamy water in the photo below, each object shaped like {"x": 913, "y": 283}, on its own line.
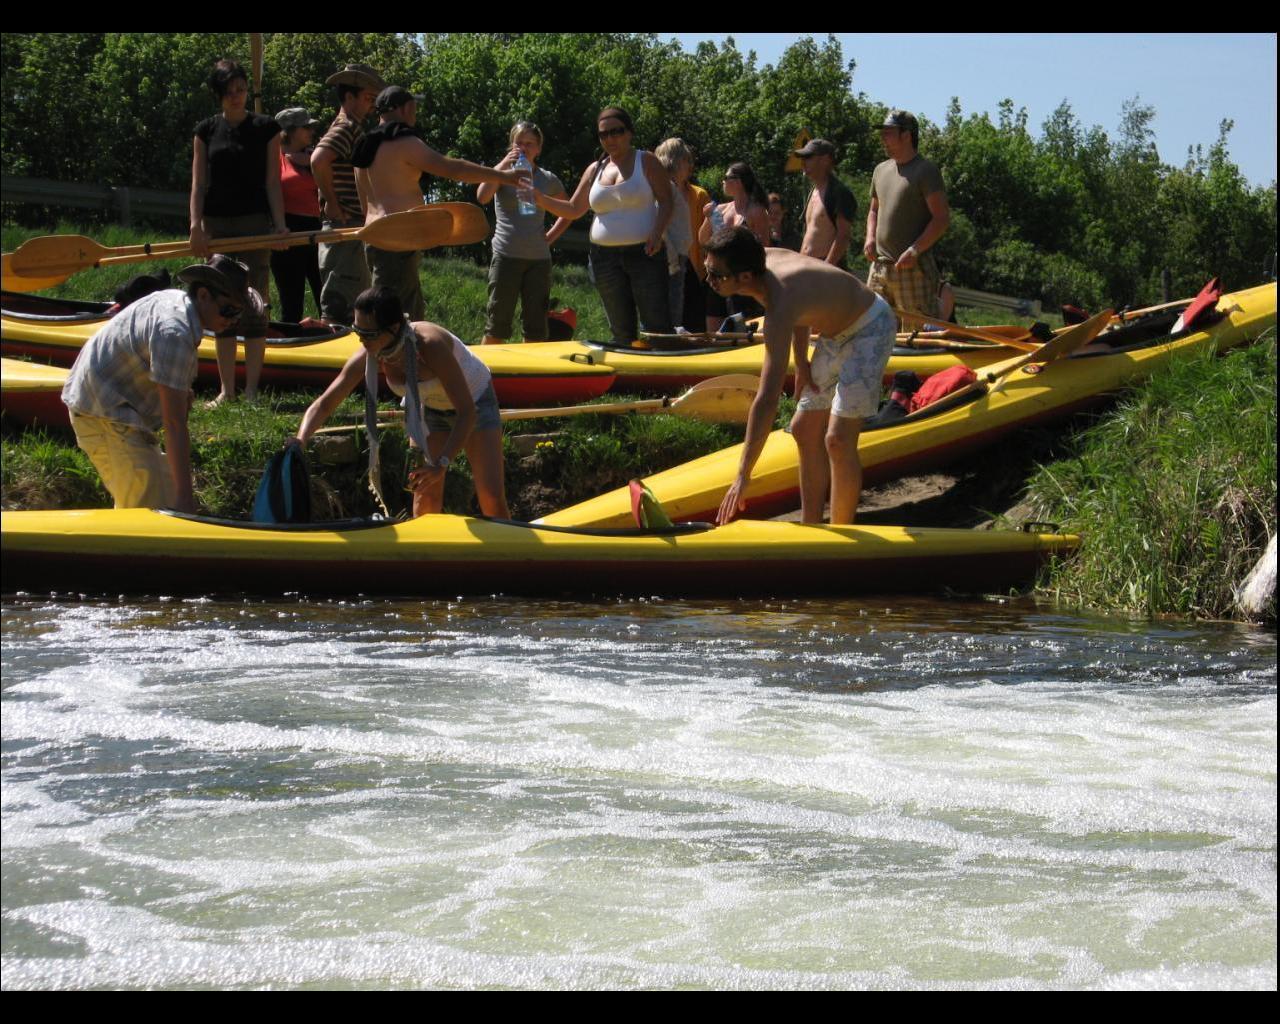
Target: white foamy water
{"x": 634, "y": 794}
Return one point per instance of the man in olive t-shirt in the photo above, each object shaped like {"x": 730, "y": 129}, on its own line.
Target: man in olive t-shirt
{"x": 908, "y": 214}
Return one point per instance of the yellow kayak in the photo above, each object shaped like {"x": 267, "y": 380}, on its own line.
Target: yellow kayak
{"x": 55, "y": 329}
{"x": 31, "y": 393}
{"x": 673, "y": 370}
{"x": 942, "y": 432}
{"x": 145, "y": 551}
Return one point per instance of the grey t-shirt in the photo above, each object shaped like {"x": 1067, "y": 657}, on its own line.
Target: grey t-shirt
{"x": 524, "y": 236}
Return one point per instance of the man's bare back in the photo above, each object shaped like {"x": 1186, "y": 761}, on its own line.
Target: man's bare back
{"x": 391, "y": 182}
{"x": 804, "y": 292}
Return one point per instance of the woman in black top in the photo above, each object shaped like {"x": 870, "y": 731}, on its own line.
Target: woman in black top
{"x": 235, "y": 190}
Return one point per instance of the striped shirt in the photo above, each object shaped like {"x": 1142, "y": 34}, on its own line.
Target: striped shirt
{"x": 342, "y": 137}
{"x": 153, "y": 341}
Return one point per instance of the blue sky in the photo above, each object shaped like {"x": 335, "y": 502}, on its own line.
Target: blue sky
{"x": 1193, "y": 81}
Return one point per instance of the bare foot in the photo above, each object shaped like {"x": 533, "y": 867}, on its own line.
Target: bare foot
{"x": 213, "y": 403}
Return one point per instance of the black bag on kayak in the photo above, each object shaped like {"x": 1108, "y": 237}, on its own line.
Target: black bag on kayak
{"x": 284, "y": 493}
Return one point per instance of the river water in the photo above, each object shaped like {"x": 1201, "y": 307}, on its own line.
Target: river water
{"x": 634, "y": 794}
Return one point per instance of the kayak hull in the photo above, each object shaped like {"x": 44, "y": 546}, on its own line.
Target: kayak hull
{"x": 31, "y": 394}
{"x": 1032, "y": 395}
{"x": 142, "y": 551}
{"x": 671, "y": 371}
{"x": 296, "y": 357}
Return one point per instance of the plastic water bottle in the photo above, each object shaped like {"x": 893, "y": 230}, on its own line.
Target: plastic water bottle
{"x": 524, "y": 196}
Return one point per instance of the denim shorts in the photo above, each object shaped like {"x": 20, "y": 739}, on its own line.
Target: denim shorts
{"x": 487, "y": 414}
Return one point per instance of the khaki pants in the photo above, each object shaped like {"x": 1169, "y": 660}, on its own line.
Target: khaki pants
{"x": 133, "y": 468}
{"x": 344, "y": 275}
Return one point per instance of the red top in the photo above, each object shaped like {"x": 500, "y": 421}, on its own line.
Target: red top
{"x": 301, "y": 198}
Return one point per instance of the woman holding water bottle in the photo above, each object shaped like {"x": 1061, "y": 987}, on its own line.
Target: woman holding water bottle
{"x": 521, "y": 266}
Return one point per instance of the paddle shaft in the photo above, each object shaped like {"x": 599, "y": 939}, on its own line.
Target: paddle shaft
{"x": 1026, "y": 343}
{"x": 245, "y": 244}
{"x": 399, "y": 232}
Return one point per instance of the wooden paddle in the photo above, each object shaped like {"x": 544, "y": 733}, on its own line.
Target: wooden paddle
{"x": 724, "y": 399}
{"x": 469, "y": 222}
{"x": 397, "y": 232}
{"x": 15, "y": 282}
{"x": 926, "y": 341}
{"x": 1025, "y": 341}
{"x": 1073, "y": 338}
{"x": 994, "y": 377}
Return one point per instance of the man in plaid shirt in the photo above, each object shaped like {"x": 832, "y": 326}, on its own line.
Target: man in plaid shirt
{"x": 133, "y": 378}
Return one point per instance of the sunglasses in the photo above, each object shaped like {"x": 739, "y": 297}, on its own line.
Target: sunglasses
{"x": 229, "y": 311}
{"x": 612, "y": 133}
{"x": 367, "y": 333}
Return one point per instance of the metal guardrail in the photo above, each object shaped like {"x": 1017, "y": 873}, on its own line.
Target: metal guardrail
{"x": 971, "y": 297}
{"x": 129, "y": 202}
{"x": 125, "y": 202}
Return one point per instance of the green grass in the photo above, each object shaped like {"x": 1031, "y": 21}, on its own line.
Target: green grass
{"x": 1174, "y": 492}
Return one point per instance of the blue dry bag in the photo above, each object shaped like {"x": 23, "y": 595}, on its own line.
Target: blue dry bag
{"x": 284, "y": 494}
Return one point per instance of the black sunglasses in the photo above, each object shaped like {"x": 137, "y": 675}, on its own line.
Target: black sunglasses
{"x": 367, "y": 333}
{"x": 227, "y": 310}
{"x": 612, "y": 133}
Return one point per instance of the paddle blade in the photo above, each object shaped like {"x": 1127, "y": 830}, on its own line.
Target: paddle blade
{"x": 646, "y": 510}
{"x": 12, "y": 281}
{"x": 1206, "y": 300}
{"x": 469, "y": 222}
{"x": 50, "y": 255}
{"x": 715, "y": 405}
{"x": 421, "y": 228}
{"x": 1063, "y": 345}
{"x": 744, "y": 381}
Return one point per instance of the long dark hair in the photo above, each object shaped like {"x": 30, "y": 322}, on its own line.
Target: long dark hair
{"x": 743, "y": 172}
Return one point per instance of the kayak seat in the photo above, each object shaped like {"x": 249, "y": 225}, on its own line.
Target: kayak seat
{"x": 674, "y": 530}
{"x": 965, "y": 395}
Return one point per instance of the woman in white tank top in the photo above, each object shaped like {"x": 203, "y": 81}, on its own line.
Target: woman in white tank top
{"x": 449, "y": 378}
{"x": 630, "y": 194}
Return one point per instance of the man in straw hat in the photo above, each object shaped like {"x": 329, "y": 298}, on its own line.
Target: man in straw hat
{"x": 134, "y": 377}
{"x": 908, "y": 214}
{"x": 342, "y": 267}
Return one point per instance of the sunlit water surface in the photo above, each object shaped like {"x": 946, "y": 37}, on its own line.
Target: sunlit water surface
{"x": 800, "y": 794}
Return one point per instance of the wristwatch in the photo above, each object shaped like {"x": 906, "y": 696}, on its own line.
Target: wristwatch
{"x": 442, "y": 462}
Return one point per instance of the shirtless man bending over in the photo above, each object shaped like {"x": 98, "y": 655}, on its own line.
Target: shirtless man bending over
{"x": 836, "y": 391}
{"x": 389, "y": 162}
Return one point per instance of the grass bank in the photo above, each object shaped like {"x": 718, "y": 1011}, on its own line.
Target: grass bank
{"x": 1174, "y": 490}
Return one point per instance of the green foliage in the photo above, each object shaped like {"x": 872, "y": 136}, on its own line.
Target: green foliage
{"x": 1068, "y": 215}
{"x": 1175, "y": 493}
